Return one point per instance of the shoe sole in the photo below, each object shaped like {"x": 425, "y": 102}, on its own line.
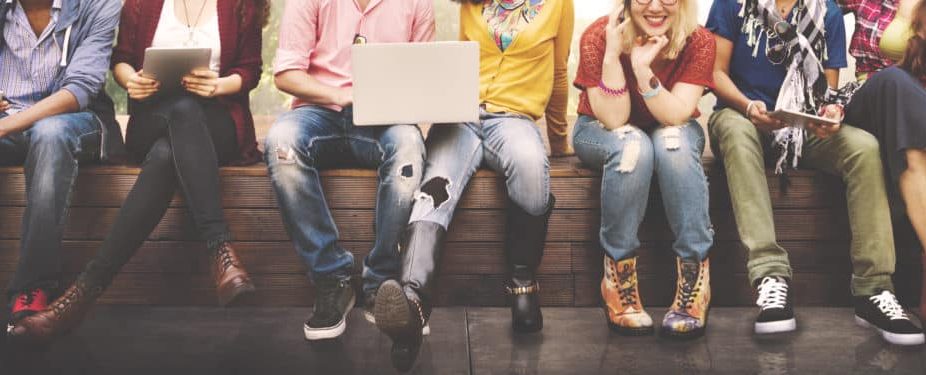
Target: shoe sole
{"x": 905, "y": 339}
{"x": 392, "y": 311}
{"x": 234, "y": 297}
{"x": 314, "y": 334}
{"x": 777, "y": 326}
{"x": 625, "y": 331}
{"x": 371, "y": 318}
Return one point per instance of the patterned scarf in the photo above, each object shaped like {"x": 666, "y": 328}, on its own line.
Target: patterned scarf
{"x": 799, "y": 44}
{"x": 506, "y": 18}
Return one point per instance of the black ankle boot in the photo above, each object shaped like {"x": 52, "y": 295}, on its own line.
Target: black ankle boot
{"x": 402, "y": 308}
{"x": 524, "y": 240}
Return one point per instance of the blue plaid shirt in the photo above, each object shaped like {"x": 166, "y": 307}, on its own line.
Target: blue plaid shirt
{"x": 29, "y": 64}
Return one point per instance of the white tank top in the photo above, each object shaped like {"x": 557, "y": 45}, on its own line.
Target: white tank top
{"x": 173, "y": 33}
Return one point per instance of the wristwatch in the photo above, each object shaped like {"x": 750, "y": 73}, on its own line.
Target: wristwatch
{"x": 654, "y": 87}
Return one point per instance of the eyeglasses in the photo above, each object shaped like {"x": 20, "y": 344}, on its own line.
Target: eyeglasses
{"x": 664, "y": 2}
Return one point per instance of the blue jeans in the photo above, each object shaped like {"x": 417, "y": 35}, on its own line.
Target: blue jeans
{"x": 310, "y": 138}
{"x": 509, "y": 144}
{"x": 628, "y": 157}
{"x": 49, "y": 151}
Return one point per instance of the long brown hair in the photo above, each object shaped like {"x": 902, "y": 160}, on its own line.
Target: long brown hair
{"x": 914, "y": 59}
{"x": 261, "y": 11}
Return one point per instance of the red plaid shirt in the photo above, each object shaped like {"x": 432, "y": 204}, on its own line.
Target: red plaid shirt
{"x": 871, "y": 18}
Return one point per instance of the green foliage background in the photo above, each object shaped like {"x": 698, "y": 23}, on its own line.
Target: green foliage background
{"x": 267, "y": 100}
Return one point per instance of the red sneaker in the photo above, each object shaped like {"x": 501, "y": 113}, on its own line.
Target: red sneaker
{"x": 26, "y": 304}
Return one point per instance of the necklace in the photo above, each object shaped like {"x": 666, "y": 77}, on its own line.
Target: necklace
{"x": 191, "y": 25}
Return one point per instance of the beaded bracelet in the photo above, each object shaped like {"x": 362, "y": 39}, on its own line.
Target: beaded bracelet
{"x": 611, "y": 92}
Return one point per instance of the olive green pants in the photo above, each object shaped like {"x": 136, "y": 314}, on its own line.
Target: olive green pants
{"x": 851, "y": 154}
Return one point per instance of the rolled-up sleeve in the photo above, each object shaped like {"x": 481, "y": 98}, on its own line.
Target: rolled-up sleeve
{"x": 298, "y": 30}
{"x": 87, "y": 66}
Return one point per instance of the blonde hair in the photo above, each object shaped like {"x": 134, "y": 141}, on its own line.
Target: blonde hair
{"x": 686, "y": 22}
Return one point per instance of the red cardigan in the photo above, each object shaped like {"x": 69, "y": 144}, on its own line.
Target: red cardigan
{"x": 241, "y": 55}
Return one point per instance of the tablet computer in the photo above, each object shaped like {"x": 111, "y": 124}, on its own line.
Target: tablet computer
{"x": 169, "y": 65}
{"x": 794, "y": 118}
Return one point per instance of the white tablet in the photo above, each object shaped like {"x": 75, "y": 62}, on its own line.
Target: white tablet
{"x": 169, "y": 65}
{"x": 794, "y": 118}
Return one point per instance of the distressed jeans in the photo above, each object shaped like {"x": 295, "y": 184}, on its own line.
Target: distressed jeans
{"x": 310, "y": 138}
{"x": 852, "y": 154}
{"x": 629, "y": 158}
{"x": 507, "y": 143}
{"x": 50, "y": 152}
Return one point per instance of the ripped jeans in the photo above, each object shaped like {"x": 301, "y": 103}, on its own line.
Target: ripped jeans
{"x": 509, "y": 144}
{"x": 310, "y": 138}
{"x": 629, "y": 158}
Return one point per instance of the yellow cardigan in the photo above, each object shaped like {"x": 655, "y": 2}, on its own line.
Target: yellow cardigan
{"x": 529, "y": 77}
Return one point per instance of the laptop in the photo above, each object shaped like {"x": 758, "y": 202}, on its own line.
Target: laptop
{"x": 415, "y": 83}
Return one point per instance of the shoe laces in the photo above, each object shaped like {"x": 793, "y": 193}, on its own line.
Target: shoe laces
{"x": 688, "y": 284}
{"x": 773, "y": 294}
{"x": 224, "y": 257}
{"x": 626, "y": 289}
{"x": 888, "y": 305}
{"x": 63, "y": 304}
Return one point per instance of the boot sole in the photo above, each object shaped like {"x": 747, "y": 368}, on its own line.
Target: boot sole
{"x": 693, "y": 334}
{"x": 233, "y": 297}
{"x": 370, "y": 317}
{"x": 905, "y": 339}
{"x": 392, "y": 311}
{"x": 327, "y": 333}
{"x": 625, "y": 331}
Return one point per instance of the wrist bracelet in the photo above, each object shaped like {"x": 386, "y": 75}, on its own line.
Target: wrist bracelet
{"x": 611, "y": 92}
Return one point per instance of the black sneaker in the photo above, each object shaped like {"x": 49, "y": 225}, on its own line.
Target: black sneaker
{"x": 333, "y": 300}
{"x": 883, "y": 313}
{"x": 776, "y": 313}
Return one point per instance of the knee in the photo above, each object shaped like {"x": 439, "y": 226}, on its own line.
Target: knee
{"x": 185, "y": 107}
{"x": 863, "y": 143}
{"x": 678, "y": 146}
{"x": 631, "y": 151}
{"x": 51, "y": 132}
{"x": 281, "y": 146}
{"x": 405, "y": 147}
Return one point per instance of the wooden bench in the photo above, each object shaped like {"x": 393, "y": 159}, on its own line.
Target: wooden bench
{"x": 171, "y": 268}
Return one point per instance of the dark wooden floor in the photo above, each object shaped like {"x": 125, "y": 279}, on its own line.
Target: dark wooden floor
{"x": 140, "y": 340}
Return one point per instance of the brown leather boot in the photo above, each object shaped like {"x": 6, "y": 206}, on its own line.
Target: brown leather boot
{"x": 231, "y": 279}
{"x": 59, "y": 318}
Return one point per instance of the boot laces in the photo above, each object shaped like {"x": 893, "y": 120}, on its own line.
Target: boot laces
{"x": 688, "y": 284}
{"x": 888, "y": 305}
{"x": 773, "y": 294}
{"x": 224, "y": 257}
{"x": 627, "y": 289}
{"x": 66, "y": 301}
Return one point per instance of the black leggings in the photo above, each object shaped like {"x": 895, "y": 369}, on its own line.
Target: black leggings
{"x": 181, "y": 140}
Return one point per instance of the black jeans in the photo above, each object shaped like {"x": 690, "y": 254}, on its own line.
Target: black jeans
{"x": 181, "y": 140}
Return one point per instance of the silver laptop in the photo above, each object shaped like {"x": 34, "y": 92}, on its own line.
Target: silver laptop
{"x": 415, "y": 83}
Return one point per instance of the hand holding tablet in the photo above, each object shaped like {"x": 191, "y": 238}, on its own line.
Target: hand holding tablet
{"x": 794, "y": 118}
{"x": 169, "y": 65}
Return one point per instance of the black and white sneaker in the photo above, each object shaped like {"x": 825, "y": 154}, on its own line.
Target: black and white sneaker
{"x": 883, "y": 313}
{"x": 776, "y": 313}
{"x": 333, "y": 300}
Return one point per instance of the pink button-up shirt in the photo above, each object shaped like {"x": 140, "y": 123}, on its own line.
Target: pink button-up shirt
{"x": 316, "y": 35}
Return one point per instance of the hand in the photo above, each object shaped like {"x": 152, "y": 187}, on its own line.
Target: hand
{"x": 758, "y": 114}
{"x": 202, "y": 82}
{"x": 614, "y": 31}
{"x": 645, "y": 50}
{"x": 4, "y": 105}
{"x": 823, "y": 130}
{"x": 140, "y": 88}
{"x": 344, "y": 97}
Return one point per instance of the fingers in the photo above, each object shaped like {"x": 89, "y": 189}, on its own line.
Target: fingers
{"x": 199, "y": 87}
{"x": 198, "y": 90}
{"x": 4, "y": 105}
{"x": 204, "y": 73}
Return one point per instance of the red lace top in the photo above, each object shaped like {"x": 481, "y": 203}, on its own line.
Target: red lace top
{"x": 694, "y": 65}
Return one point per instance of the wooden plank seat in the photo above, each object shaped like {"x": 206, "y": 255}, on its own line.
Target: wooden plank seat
{"x": 171, "y": 268}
